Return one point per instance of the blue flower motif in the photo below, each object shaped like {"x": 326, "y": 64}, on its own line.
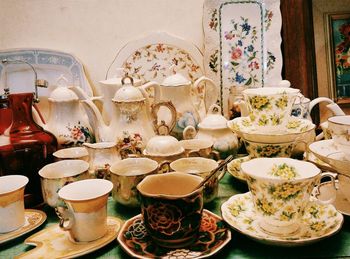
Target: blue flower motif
{"x": 250, "y": 48}
{"x": 240, "y": 43}
{"x": 239, "y": 78}
{"x": 245, "y": 27}
{"x": 186, "y": 119}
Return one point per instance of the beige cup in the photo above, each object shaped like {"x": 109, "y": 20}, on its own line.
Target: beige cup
{"x": 126, "y": 174}
{"x": 339, "y": 127}
{"x": 281, "y": 189}
{"x": 202, "y": 167}
{"x": 56, "y": 175}
{"x": 172, "y": 208}
{"x": 12, "y": 202}
{"x": 71, "y": 153}
{"x": 199, "y": 147}
{"x": 85, "y": 217}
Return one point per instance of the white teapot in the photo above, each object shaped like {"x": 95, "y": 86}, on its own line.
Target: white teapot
{"x": 214, "y": 127}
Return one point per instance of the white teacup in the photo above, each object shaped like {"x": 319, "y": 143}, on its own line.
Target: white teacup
{"x": 56, "y": 175}
{"x": 202, "y": 167}
{"x": 86, "y": 216}
{"x": 199, "y": 147}
{"x": 125, "y": 176}
{"x": 12, "y": 202}
{"x": 281, "y": 189}
{"x": 339, "y": 127}
{"x": 270, "y": 107}
{"x": 71, "y": 153}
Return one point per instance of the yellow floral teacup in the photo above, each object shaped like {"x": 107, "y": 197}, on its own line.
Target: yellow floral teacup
{"x": 281, "y": 189}
{"x": 270, "y": 107}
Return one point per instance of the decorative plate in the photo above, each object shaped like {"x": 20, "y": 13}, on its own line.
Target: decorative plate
{"x": 242, "y": 46}
{"x": 33, "y": 219}
{"x": 52, "y": 242}
{"x": 327, "y": 152}
{"x": 295, "y": 128}
{"x": 318, "y": 222}
{"x": 49, "y": 65}
{"x": 234, "y": 168}
{"x": 213, "y": 236}
{"x": 341, "y": 203}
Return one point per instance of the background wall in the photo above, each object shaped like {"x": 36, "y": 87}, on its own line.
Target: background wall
{"x": 94, "y": 30}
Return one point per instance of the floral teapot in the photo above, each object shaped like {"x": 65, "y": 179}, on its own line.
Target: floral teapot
{"x": 179, "y": 91}
{"x": 135, "y": 121}
{"x": 67, "y": 120}
{"x": 214, "y": 127}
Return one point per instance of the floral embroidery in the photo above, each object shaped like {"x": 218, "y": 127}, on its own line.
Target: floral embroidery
{"x": 213, "y": 23}
{"x": 213, "y": 62}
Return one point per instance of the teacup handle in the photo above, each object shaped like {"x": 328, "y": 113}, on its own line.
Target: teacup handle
{"x": 126, "y": 152}
{"x": 333, "y": 194}
{"x": 66, "y": 218}
{"x": 164, "y": 167}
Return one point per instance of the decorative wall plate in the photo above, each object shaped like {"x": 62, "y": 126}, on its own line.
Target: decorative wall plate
{"x": 49, "y": 64}
{"x": 242, "y": 46}
{"x": 33, "y": 219}
{"x": 213, "y": 236}
{"x": 150, "y": 58}
{"x": 318, "y": 222}
{"x": 53, "y": 242}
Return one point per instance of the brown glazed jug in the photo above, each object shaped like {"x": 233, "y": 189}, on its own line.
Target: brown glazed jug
{"x": 26, "y": 147}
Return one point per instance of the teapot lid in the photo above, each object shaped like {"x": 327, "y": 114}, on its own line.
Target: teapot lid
{"x": 175, "y": 79}
{"x": 128, "y": 93}
{"x": 163, "y": 146}
{"x": 116, "y": 80}
{"x": 63, "y": 94}
{"x": 214, "y": 119}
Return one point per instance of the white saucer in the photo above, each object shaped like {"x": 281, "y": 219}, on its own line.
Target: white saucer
{"x": 295, "y": 128}
{"x": 234, "y": 168}
{"x": 327, "y": 152}
{"x": 318, "y": 222}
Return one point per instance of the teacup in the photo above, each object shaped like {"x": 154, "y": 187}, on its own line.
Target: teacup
{"x": 270, "y": 107}
{"x": 58, "y": 174}
{"x": 339, "y": 126}
{"x": 256, "y": 149}
{"x": 281, "y": 189}
{"x": 12, "y": 202}
{"x": 199, "y": 147}
{"x": 71, "y": 153}
{"x": 126, "y": 174}
{"x": 202, "y": 167}
{"x": 172, "y": 208}
{"x": 85, "y": 217}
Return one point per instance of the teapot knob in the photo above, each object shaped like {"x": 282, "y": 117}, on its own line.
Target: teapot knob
{"x": 127, "y": 77}
{"x": 214, "y": 109}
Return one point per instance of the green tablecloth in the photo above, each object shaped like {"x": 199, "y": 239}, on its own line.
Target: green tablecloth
{"x": 239, "y": 247}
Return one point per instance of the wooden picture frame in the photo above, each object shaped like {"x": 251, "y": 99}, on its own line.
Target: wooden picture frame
{"x": 337, "y": 32}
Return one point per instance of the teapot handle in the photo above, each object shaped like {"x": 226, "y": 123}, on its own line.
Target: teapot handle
{"x": 319, "y": 100}
{"x": 211, "y": 91}
{"x": 162, "y": 128}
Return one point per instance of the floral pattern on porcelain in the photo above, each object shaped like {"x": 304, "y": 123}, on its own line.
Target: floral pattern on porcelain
{"x": 76, "y": 136}
{"x": 130, "y": 143}
{"x": 234, "y": 168}
{"x": 152, "y": 62}
{"x": 269, "y": 150}
{"x": 213, "y": 235}
{"x": 317, "y": 222}
{"x": 284, "y": 171}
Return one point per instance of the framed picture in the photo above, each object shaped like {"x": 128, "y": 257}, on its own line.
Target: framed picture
{"x": 338, "y": 58}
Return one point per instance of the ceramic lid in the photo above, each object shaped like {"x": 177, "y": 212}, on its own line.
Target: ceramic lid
{"x": 128, "y": 93}
{"x": 116, "y": 80}
{"x": 175, "y": 80}
{"x": 163, "y": 146}
{"x": 63, "y": 94}
{"x": 214, "y": 119}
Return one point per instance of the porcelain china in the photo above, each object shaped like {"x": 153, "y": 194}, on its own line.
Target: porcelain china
{"x": 52, "y": 242}
{"x": 234, "y": 168}
{"x": 339, "y": 127}
{"x": 33, "y": 219}
{"x": 135, "y": 240}
{"x": 71, "y": 153}
{"x": 318, "y": 222}
{"x": 242, "y": 46}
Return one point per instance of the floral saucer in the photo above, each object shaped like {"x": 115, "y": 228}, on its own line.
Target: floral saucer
{"x": 214, "y": 235}
{"x": 33, "y": 219}
{"x": 341, "y": 203}
{"x": 318, "y": 222}
{"x": 327, "y": 152}
{"x": 294, "y": 129}
{"x": 52, "y": 242}
{"x": 234, "y": 168}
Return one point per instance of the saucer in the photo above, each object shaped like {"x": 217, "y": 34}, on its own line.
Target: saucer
{"x": 295, "y": 128}
{"x": 318, "y": 222}
{"x": 309, "y": 156}
{"x": 234, "y": 168}
{"x": 341, "y": 203}
{"x": 53, "y": 242}
{"x": 327, "y": 152}
{"x": 33, "y": 219}
{"x": 214, "y": 235}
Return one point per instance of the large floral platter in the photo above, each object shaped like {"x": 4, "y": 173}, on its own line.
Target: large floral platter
{"x": 242, "y": 46}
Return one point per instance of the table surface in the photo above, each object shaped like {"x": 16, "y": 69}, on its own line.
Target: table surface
{"x": 239, "y": 247}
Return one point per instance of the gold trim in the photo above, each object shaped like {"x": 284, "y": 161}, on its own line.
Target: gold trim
{"x": 11, "y": 197}
{"x": 92, "y": 205}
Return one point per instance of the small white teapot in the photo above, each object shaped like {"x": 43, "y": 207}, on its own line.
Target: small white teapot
{"x": 214, "y": 127}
